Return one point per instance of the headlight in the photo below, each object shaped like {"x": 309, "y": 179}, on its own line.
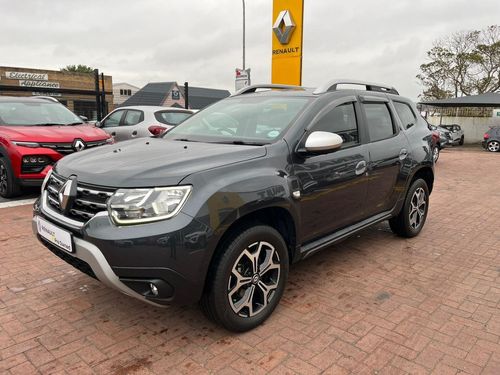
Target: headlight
{"x": 136, "y": 206}
{"x": 26, "y": 144}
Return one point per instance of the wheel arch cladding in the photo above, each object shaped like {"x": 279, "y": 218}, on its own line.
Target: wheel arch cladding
{"x": 278, "y": 218}
{"x": 425, "y": 174}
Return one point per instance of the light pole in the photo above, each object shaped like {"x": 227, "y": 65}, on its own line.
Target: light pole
{"x": 243, "y": 34}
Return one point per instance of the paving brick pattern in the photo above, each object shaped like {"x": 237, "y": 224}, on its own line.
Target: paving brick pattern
{"x": 374, "y": 304}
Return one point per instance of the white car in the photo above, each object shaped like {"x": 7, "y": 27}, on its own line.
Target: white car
{"x": 142, "y": 121}
{"x": 457, "y": 134}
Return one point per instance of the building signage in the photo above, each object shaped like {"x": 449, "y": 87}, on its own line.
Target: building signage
{"x": 39, "y": 93}
{"x": 27, "y": 76}
{"x": 176, "y": 95}
{"x": 287, "y": 42}
{"x": 242, "y": 78}
{"x": 41, "y": 84}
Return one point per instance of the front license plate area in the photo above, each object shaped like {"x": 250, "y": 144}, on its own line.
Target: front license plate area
{"x": 55, "y": 235}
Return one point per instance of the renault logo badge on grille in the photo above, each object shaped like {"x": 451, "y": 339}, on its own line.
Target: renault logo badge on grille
{"x": 67, "y": 194}
{"x": 283, "y": 26}
{"x": 79, "y": 145}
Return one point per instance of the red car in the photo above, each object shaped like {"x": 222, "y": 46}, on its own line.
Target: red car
{"x": 35, "y": 132}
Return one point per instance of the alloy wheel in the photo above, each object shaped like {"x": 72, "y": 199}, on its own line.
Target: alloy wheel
{"x": 254, "y": 278}
{"x": 435, "y": 154}
{"x": 494, "y": 146}
{"x": 418, "y": 206}
{"x": 3, "y": 180}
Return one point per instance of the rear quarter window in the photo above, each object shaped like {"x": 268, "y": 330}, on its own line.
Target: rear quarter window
{"x": 171, "y": 118}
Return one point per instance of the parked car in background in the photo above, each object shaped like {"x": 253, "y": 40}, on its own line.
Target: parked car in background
{"x": 456, "y": 132}
{"x": 34, "y": 134}
{"x": 142, "y": 121}
{"x": 219, "y": 207}
{"x": 444, "y": 136}
{"x": 491, "y": 139}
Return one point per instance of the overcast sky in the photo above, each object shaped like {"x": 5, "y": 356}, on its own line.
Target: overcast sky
{"x": 141, "y": 41}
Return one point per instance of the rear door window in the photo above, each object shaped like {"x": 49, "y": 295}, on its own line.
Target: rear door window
{"x": 133, "y": 117}
{"x": 379, "y": 121}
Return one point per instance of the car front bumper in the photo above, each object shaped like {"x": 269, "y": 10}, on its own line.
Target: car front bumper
{"x": 172, "y": 255}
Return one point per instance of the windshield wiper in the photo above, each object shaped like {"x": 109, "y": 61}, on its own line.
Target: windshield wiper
{"x": 244, "y": 143}
{"x": 49, "y": 124}
{"x": 74, "y": 123}
{"x": 184, "y": 140}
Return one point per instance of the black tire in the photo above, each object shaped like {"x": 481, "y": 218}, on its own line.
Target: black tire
{"x": 403, "y": 225}
{"x": 215, "y": 302}
{"x": 461, "y": 141}
{"x": 9, "y": 187}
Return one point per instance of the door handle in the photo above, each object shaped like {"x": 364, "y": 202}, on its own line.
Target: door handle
{"x": 360, "y": 168}
{"x": 403, "y": 154}
{"x": 113, "y": 133}
{"x": 134, "y": 132}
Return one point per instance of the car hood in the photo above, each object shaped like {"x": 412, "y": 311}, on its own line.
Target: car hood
{"x": 42, "y": 134}
{"x": 150, "y": 162}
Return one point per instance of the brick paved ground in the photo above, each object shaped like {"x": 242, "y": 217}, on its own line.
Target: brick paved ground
{"x": 375, "y": 304}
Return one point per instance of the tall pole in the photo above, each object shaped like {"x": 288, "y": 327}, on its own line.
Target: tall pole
{"x": 243, "y": 34}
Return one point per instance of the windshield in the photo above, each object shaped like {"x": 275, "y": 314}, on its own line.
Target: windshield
{"x": 24, "y": 113}
{"x": 245, "y": 120}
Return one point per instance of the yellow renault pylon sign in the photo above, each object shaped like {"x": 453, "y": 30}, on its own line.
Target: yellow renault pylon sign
{"x": 287, "y": 42}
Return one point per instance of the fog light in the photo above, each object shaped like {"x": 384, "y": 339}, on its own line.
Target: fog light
{"x": 154, "y": 289}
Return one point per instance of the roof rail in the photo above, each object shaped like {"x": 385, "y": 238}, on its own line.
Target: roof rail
{"x": 370, "y": 86}
{"x": 50, "y": 98}
{"x": 253, "y": 88}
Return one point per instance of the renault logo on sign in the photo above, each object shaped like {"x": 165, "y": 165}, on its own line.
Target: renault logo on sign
{"x": 283, "y": 26}
{"x": 79, "y": 145}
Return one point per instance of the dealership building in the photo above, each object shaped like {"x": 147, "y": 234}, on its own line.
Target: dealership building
{"x": 77, "y": 91}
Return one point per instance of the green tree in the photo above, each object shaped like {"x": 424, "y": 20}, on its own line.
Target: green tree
{"x": 464, "y": 63}
{"x": 78, "y": 69}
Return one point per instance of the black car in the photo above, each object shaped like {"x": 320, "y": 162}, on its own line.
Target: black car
{"x": 491, "y": 139}
{"x": 218, "y": 208}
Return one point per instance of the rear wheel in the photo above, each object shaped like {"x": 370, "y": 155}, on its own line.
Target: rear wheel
{"x": 461, "y": 141}
{"x": 8, "y": 185}
{"x": 411, "y": 218}
{"x": 493, "y": 146}
{"x": 435, "y": 154}
{"x": 247, "y": 279}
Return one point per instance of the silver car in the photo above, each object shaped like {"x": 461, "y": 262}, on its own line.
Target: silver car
{"x": 457, "y": 134}
{"x": 142, "y": 121}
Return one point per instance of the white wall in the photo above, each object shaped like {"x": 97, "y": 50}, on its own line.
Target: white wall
{"x": 473, "y": 127}
{"x": 119, "y": 99}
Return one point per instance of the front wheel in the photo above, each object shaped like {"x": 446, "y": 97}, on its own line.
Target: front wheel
{"x": 461, "y": 141}
{"x": 8, "y": 185}
{"x": 411, "y": 218}
{"x": 493, "y": 146}
{"x": 247, "y": 279}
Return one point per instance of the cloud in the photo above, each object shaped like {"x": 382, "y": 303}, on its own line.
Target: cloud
{"x": 201, "y": 42}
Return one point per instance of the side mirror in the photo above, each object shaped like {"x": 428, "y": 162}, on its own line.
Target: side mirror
{"x": 320, "y": 142}
{"x": 99, "y": 124}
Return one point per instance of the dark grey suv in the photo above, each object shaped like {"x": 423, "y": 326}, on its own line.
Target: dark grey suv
{"x": 491, "y": 139}
{"x": 218, "y": 208}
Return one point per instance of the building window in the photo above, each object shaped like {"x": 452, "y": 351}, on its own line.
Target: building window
{"x": 129, "y": 92}
{"x": 121, "y": 91}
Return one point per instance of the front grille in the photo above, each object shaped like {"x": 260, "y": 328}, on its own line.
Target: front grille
{"x": 89, "y": 199}
{"x": 75, "y": 262}
{"x": 67, "y": 148}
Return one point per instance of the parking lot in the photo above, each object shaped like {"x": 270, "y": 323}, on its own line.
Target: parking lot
{"x": 374, "y": 304}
